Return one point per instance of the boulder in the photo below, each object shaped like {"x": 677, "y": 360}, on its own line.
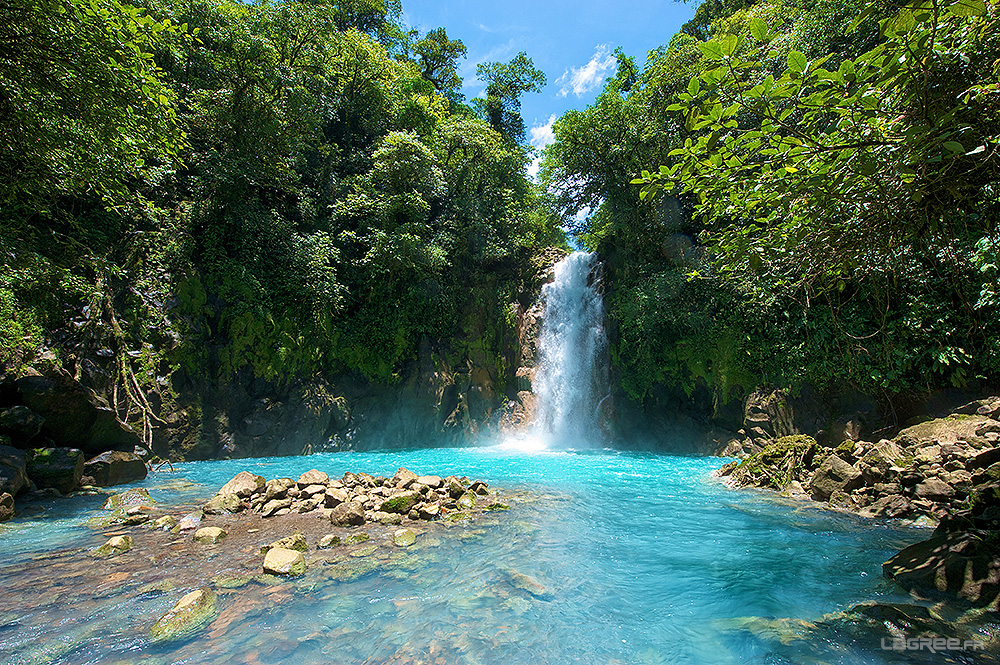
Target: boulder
{"x": 834, "y": 475}
{"x": 271, "y": 508}
{"x": 190, "y": 521}
{"x": 75, "y": 416}
{"x": 6, "y": 507}
{"x": 467, "y": 500}
{"x": 296, "y": 542}
{"x": 276, "y": 489}
{"x": 20, "y": 423}
{"x": 958, "y": 564}
{"x": 128, "y": 499}
{"x": 13, "y": 476}
{"x": 58, "y": 468}
{"x": 935, "y": 490}
{"x": 778, "y": 464}
{"x": 221, "y": 504}
{"x": 347, "y": 514}
{"x": 113, "y": 468}
{"x": 243, "y": 485}
{"x": 403, "y": 478}
{"x": 209, "y": 535}
{"x": 403, "y": 537}
{"x": 191, "y": 613}
{"x": 165, "y": 523}
{"x": 433, "y": 482}
{"x": 334, "y": 496}
{"x": 454, "y": 486}
{"x": 401, "y": 503}
{"x": 114, "y": 546}
{"x": 279, "y": 561}
{"x": 313, "y": 477}
{"x": 328, "y": 541}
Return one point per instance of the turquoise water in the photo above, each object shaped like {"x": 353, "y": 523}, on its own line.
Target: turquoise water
{"x": 646, "y": 559}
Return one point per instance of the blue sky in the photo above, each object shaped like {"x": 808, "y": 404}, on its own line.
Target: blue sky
{"x": 572, "y": 42}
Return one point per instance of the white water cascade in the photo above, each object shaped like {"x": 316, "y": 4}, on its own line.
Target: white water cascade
{"x": 571, "y": 349}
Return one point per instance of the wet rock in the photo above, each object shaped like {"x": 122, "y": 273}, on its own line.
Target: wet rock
{"x": 403, "y": 537}
{"x": 6, "y": 507}
{"x": 480, "y": 488}
{"x": 527, "y": 584}
{"x": 328, "y": 541}
{"x": 114, "y": 468}
{"x": 467, "y": 501}
{"x": 356, "y": 538}
{"x": 209, "y": 535}
{"x": 222, "y": 504}
{"x": 454, "y": 486}
{"x": 935, "y": 489}
{"x": 401, "y": 503}
{"x": 190, "y": 521}
{"x": 75, "y": 416}
{"x": 429, "y": 511}
{"x": 334, "y": 496}
{"x": 189, "y": 615}
{"x": 403, "y": 478}
{"x": 387, "y": 518}
{"x": 13, "y": 477}
{"x": 834, "y": 475}
{"x": 281, "y": 561}
{"x": 243, "y": 485}
{"x": 347, "y": 514}
{"x": 727, "y": 469}
{"x": 313, "y": 477}
{"x": 364, "y": 551}
{"x": 58, "y": 468}
{"x": 114, "y": 546}
{"x": 20, "y": 423}
{"x": 165, "y": 523}
{"x": 128, "y": 499}
{"x": 779, "y": 463}
{"x": 296, "y": 542}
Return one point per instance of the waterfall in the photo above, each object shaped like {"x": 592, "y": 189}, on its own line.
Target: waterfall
{"x": 568, "y": 379}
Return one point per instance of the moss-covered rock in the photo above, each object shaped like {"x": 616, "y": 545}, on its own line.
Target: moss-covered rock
{"x": 114, "y": 546}
{"x": 296, "y": 542}
{"x": 209, "y": 535}
{"x": 128, "y": 499}
{"x": 404, "y": 537}
{"x": 279, "y": 561}
{"x": 189, "y": 615}
{"x": 401, "y": 503}
{"x": 778, "y": 464}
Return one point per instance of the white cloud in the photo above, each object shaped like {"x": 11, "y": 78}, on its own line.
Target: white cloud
{"x": 582, "y": 80}
{"x": 541, "y": 136}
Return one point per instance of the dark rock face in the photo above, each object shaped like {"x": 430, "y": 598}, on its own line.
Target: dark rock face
{"x": 113, "y": 468}
{"x": 75, "y": 416}
{"x": 20, "y": 423}
{"x": 13, "y": 470}
{"x": 6, "y": 507}
{"x": 58, "y": 468}
{"x": 834, "y": 475}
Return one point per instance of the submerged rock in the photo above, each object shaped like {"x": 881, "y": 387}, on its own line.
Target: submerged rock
{"x": 209, "y": 535}
{"x": 404, "y": 537}
{"x": 114, "y": 546}
{"x": 128, "y": 499}
{"x": 296, "y": 542}
{"x": 188, "y": 616}
{"x": 281, "y": 561}
{"x": 527, "y": 584}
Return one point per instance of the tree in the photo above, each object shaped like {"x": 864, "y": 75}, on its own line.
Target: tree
{"x": 505, "y": 83}
{"x": 438, "y": 60}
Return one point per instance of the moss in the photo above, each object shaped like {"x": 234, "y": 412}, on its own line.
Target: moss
{"x": 778, "y": 464}
{"x": 846, "y": 448}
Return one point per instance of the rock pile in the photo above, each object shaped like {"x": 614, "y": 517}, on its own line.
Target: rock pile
{"x": 926, "y": 472}
{"x": 352, "y": 500}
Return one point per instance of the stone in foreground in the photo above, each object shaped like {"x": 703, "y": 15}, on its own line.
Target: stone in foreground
{"x": 347, "y": 514}
{"x": 296, "y": 542}
{"x": 279, "y": 561}
{"x": 115, "y": 546}
{"x": 190, "y": 614}
{"x": 209, "y": 535}
{"x": 404, "y": 537}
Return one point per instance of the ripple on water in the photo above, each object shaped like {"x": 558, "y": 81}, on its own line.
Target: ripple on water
{"x": 603, "y": 558}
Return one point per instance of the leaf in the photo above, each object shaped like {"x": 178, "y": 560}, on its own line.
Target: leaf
{"x": 694, "y": 86}
{"x": 797, "y": 62}
{"x": 711, "y": 50}
{"x": 758, "y": 28}
{"x": 729, "y": 43}
{"x": 954, "y": 146}
{"x": 966, "y": 8}
{"x": 863, "y": 16}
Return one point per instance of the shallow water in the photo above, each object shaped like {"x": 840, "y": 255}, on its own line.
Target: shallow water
{"x": 645, "y": 559}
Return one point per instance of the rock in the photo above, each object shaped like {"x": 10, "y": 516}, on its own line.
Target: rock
{"x": 313, "y": 477}
{"x": 243, "y": 485}
{"x": 114, "y": 546}
{"x": 279, "y": 561}
{"x": 75, "y": 416}
{"x": 403, "y": 537}
{"x": 347, "y": 514}
{"x": 190, "y": 521}
{"x": 364, "y": 551}
{"x": 191, "y": 613}
{"x": 480, "y": 488}
{"x": 312, "y": 490}
{"x": 403, "y": 478}
{"x": 276, "y": 489}
{"x": 6, "y": 507}
{"x": 20, "y": 423}
{"x": 527, "y": 584}
{"x": 778, "y": 464}
{"x": 356, "y": 538}
{"x": 984, "y": 459}
{"x": 13, "y": 475}
{"x": 401, "y": 503}
{"x": 209, "y": 535}
{"x": 328, "y": 541}
{"x": 454, "y": 486}
{"x": 467, "y": 500}
{"x": 959, "y": 563}
{"x": 221, "y": 504}
{"x": 433, "y": 482}
{"x": 58, "y": 468}
{"x": 387, "y": 518}
{"x": 114, "y": 468}
{"x": 430, "y": 511}
{"x": 834, "y": 475}
{"x": 727, "y": 469}
{"x": 165, "y": 523}
{"x": 272, "y": 508}
{"x": 296, "y": 542}
{"x": 935, "y": 489}
{"x": 128, "y": 499}
{"x": 334, "y": 496}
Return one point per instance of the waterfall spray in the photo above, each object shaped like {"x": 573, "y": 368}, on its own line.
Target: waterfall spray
{"x": 572, "y": 341}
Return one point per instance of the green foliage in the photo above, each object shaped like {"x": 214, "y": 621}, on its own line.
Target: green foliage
{"x": 505, "y": 83}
